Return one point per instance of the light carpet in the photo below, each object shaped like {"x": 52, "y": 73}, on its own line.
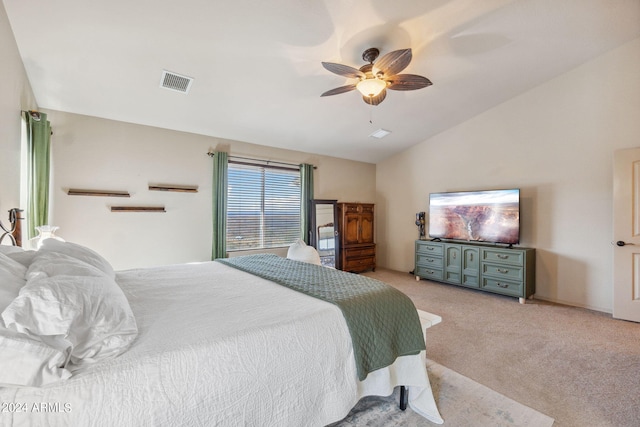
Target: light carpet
{"x": 461, "y": 402}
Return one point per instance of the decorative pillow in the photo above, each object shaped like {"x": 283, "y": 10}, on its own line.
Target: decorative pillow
{"x": 300, "y": 251}
{"x": 91, "y": 313}
{"x": 26, "y": 361}
{"x": 46, "y": 264}
{"x": 80, "y": 252}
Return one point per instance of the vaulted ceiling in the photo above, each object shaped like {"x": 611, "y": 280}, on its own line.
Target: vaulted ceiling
{"x": 257, "y": 67}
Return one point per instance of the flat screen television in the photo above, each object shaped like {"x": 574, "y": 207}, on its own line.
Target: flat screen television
{"x": 484, "y": 216}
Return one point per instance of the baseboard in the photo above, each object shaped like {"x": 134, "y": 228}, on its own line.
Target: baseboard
{"x": 570, "y": 304}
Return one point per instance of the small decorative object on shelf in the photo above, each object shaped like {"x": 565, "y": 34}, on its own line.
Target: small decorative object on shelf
{"x": 175, "y": 188}
{"x": 137, "y": 209}
{"x": 45, "y": 232}
{"x": 420, "y": 223}
{"x": 99, "y": 193}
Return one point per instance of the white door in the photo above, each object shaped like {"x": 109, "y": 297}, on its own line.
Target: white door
{"x": 626, "y": 234}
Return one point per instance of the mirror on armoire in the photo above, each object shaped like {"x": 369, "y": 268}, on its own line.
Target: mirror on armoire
{"x": 324, "y": 230}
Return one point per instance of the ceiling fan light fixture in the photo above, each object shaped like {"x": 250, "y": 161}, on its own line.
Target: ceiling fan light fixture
{"x": 376, "y": 77}
{"x": 371, "y": 86}
{"x": 380, "y": 133}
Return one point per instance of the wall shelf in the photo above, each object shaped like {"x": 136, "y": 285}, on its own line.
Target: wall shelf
{"x": 174, "y": 188}
{"x": 99, "y": 193}
{"x": 137, "y": 209}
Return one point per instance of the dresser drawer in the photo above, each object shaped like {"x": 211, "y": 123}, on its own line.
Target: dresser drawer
{"x": 358, "y": 264}
{"x": 504, "y": 287}
{"x": 358, "y": 208}
{"x": 428, "y": 273}
{"x": 503, "y": 271}
{"x": 428, "y": 261}
{"x": 430, "y": 248}
{"x": 489, "y": 268}
{"x": 360, "y": 252}
{"x": 503, "y": 256}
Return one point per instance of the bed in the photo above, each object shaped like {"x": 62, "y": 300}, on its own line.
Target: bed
{"x": 213, "y": 345}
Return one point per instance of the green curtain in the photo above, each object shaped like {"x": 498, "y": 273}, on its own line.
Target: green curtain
{"x": 38, "y": 149}
{"x": 220, "y": 166}
{"x": 306, "y": 195}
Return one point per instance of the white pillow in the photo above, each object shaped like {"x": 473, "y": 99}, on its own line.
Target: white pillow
{"x": 80, "y": 252}
{"x": 24, "y": 257}
{"x": 26, "y": 361}
{"x": 11, "y": 280}
{"x": 10, "y": 285}
{"x": 91, "y": 313}
{"x": 12, "y": 267}
{"x": 300, "y": 251}
{"x": 8, "y": 249}
{"x": 46, "y": 264}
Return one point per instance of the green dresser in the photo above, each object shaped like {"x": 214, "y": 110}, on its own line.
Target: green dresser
{"x": 506, "y": 271}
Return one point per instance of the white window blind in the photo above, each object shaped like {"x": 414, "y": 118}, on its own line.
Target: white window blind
{"x": 263, "y": 207}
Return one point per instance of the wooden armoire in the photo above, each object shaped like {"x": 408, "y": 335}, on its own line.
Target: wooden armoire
{"x": 355, "y": 228}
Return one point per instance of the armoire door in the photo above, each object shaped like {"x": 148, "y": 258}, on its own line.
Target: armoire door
{"x": 366, "y": 228}
{"x": 351, "y": 232}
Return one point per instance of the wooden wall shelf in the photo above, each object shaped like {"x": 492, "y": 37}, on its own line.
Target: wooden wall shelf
{"x": 137, "y": 209}
{"x": 99, "y": 193}
{"x": 175, "y": 188}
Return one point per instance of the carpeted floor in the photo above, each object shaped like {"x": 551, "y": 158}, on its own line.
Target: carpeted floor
{"x": 580, "y": 367}
{"x": 461, "y": 401}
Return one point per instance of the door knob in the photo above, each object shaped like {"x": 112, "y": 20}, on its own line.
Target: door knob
{"x": 621, "y": 243}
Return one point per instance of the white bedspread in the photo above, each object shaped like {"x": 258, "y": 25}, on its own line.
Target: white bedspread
{"x": 217, "y": 346}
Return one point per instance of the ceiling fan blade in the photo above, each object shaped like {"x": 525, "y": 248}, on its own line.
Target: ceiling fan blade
{"x": 341, "y": 89}
{"x": 393, "y": 62}
{"x": 375, "y": 100}
{"x": 407, "y": 82}
{"x": 344, "y": 70}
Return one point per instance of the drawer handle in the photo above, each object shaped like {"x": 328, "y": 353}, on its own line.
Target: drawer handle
{"x": 430, "y": 248}
{"x": 502, "y": 285}
{"x": 430, "y": 271}
{"x": 502, "y": 256}
{"x": 454, "y": 255}
{"x": 502, "y": 270}
{"x": 430, "y": 260}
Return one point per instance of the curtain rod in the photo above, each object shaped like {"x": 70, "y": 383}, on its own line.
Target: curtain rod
{"x": 235, "y": 159}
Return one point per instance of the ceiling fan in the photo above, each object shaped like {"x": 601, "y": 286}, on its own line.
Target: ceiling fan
{"x": 375, "y": 79}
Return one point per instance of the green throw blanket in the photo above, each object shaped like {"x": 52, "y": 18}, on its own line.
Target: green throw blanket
{"x": 382, "y": 321}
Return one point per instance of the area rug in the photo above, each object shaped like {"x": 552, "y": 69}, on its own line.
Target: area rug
{"x": 461, "y": 401}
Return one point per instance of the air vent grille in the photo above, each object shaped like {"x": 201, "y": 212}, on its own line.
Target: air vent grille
{"x": 176, "y": 82}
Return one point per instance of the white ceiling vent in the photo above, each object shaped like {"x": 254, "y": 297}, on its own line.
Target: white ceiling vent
{"x": 176, "y": 82}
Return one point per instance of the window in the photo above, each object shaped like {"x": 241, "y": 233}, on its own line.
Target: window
{"x": 263, "y": 207}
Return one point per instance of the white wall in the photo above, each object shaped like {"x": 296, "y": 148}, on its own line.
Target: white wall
{"x": 99, "y": 154}
{"x": 554, "y": 142}
{"x": 15, "y": 95}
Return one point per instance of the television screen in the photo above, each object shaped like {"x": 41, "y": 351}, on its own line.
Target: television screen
{"x": 483, "y": 216}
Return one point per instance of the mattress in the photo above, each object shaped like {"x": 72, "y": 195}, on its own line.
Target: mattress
{"x": 217, "y": 346}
